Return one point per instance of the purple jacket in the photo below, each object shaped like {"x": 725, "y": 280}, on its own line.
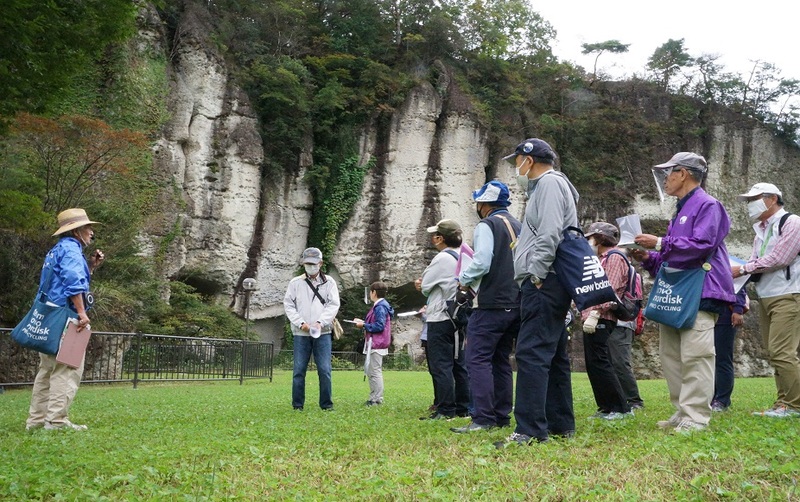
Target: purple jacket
{"x": 696, "y": 235}
{"x": 378, "y": 324}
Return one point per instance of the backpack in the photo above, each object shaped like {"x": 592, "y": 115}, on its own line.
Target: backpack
{"x": 630, "y": 305}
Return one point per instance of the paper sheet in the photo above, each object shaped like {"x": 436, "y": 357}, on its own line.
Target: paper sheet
{"x": 739, "y": 282}
{"x": 629, "y": 227}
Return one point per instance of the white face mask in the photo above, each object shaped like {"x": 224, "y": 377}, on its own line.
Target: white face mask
{"x": 311, "y": 269}
{"x": 755, "y": 209}
{"x": 522, "y": 179}
{"x": 593, "y": 244}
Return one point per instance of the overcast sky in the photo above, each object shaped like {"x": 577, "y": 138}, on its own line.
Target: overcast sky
{"x": 767, "y": 30}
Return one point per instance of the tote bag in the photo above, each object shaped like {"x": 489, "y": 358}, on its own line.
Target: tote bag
{"x": 580, "y": 272}
{"x": 675, "y": 297}
{"x": 42, "y": 327}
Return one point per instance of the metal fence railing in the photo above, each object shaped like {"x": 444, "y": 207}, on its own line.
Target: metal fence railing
{"x": 351, "y": 361}
{"x": 139, "y": 357}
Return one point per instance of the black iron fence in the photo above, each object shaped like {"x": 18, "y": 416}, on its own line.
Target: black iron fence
{"x": 139, "y": 357}
{"x": 352, "y": 361}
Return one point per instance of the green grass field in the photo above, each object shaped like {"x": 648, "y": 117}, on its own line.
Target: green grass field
{"x": 214, "y": 441}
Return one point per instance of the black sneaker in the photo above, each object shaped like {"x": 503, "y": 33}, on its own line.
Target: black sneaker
{"x": 437, "y": 416}
{"x": 297, "y": 408}
{"x": 516, "y": 439}
{"x": 471, "y": 427}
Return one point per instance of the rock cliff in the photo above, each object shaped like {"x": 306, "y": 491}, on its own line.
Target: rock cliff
{"x": 233, "y": 221}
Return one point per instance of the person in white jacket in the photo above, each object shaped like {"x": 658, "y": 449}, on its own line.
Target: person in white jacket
{"x": 311, "y": 304}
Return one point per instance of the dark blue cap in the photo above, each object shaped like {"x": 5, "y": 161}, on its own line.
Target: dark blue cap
{"x": 534, "y": 147}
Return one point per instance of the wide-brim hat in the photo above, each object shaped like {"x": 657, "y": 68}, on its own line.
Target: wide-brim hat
{"x": 70, "y": 219}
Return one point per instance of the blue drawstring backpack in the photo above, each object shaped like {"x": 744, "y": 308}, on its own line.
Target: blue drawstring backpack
{"x": 580, "y": 272}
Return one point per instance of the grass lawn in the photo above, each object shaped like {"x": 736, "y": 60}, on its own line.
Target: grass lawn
{"x": 221, "y": 440}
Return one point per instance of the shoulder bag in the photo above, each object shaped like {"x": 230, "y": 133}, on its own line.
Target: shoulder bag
{"x": 675, "y": 297}
{"x": 44, "y": 324}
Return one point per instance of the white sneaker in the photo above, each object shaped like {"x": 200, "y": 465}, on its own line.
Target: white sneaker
{"x": 688, "y": 426}
{"x": 671, "y": 423}
{"x": 781, "y": 411}
{"x": 66, "y": 424}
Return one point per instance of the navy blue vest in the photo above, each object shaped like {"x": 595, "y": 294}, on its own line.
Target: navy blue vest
{"x": 499, "y": 290}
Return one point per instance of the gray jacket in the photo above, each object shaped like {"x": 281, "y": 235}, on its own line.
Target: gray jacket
{"x": 550, "y": 209}
{"x": 302, "y": 306}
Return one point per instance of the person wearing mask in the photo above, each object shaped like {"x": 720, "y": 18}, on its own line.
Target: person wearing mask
{"x": 695, "y": 238}
{"x": 543, "y": 405}
{"x": 311, "y": 304}
{"x": 69, "y": 274}
{"x": 445, "y": 352}
{"x": 494, "y": 322}
{"x": 775, "y": 268}
{"x": 377, "y": 328}
{"x": 599, "y": 322}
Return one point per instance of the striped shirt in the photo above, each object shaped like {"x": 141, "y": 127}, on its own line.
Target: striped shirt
{"x": 785, "y": 250}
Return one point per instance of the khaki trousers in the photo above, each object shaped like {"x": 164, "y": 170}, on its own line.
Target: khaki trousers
{"x": 53, "y": 391}
{"x": 687, "y": 359}
{"x": 779, "y": 318}
{"x": 375, "y": 377}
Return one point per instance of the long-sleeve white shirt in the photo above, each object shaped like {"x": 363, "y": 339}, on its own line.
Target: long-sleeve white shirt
{"x": 302, "y": 305}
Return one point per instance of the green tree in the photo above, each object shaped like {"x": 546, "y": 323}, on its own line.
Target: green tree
{"x": 44, "y": 43}
{"x": 612, "y": 46}
{"x": 503, "y": 28}
{"x": 667, "y": 60}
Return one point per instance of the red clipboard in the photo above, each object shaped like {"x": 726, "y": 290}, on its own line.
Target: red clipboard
{"x": 73, "y": 345}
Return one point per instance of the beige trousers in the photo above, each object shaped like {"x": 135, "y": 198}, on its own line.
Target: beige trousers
{"x": 779, "y": 319}
{"x": 375, "y": 375}
{"x": 687, "y": 360}
{"x": 53, "y": 391}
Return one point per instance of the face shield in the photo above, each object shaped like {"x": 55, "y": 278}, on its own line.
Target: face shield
{"x": 660, "y": 175}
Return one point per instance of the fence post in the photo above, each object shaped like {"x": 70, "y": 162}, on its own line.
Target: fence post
{"x": 136, "y": 366}
{"x": 244, "y": 360}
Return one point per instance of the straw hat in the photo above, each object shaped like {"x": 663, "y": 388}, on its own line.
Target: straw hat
{"x": 70, "y": 219}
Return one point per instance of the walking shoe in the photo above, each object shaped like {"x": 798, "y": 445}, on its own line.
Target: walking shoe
{"x": 32, "y": 427}
{"x": 66, "y": 424}
{"x": 437, "y": 416}
{"x": 671, "y": 423}
{"x": 688, "y": 426}
{"x": 781, "y": 411}
{"x": 372, "y": 403}
{"x": 599, "y": 414}
{"x": 636, "y": 406}
{"x": 471, "y": 427}
{"x": 516, "y": 439}
{"x": 717, "y": 406}
{"x": 297, "y": 408}
{"x": 616, "y": 415}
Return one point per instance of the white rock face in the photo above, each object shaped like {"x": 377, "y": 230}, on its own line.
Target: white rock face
{"x": 386, "y": 237}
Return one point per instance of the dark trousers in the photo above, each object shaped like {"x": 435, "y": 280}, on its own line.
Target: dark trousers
{"x": 724, "y": 338}
{"x": 490, "y": 337}
{"x": 544, "y": 385}
{"x": 424, "y": 344}
{"x": 619, "y": 349}
{"x": 605, "y": 385}
{"x": 450, "y": 379}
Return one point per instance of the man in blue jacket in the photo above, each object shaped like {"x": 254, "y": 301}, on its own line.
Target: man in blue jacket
{"x": 695, "y": 238}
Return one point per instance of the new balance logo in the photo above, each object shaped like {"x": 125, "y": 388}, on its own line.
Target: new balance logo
{"x": 592, "y": 269}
